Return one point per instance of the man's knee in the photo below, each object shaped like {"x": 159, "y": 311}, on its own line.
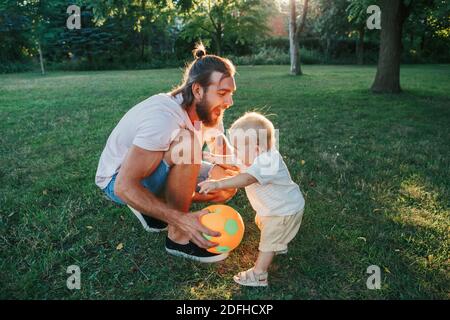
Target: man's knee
{"x": 185, "y": 149}
{"x": 224, "y": 195}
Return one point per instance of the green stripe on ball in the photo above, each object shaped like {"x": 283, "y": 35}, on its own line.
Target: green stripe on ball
{"x": 223, "y": 248}
{"x": 231, "y": 227}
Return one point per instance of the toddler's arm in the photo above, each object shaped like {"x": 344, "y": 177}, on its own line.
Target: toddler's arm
{"x": 239, "y": 181}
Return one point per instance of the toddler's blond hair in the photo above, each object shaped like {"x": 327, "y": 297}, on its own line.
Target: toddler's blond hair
{"x": 257, "y": 122}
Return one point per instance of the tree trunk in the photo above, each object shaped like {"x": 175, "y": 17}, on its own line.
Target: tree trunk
{"x": 142, "y": 45}
{"x": 387, "y": 79}
{"x": 360, "y": 47}
{"x": 294, "y": 34}
{"x": 422, "y": 43}
{"x": 219, "y": 48}
{"x": 143, "y": 22}
{"x": 293, "y": 41}
{"x": 327, "y": 49}
{"x": 219, "y": 40}
{"x": 41, "y": 58}
{"x": 217, "y": 43}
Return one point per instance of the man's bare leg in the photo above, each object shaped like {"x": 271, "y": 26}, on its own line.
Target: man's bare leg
{"x": 182, "y": 179}
{"x": 180, "y": 187}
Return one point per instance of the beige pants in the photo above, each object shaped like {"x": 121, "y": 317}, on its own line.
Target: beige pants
{"x": 277, "y": 231}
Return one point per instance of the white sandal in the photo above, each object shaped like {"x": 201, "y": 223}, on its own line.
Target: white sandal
{"x": 251, "y": 279}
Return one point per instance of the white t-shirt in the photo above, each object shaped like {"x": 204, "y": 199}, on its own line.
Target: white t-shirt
{"x": 151, "y": 125}
{"x": 275, "y": 194}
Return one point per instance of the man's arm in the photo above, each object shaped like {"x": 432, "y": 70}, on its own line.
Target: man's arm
{"x": 240, "y": 181}
{"x": 140, "y": 163}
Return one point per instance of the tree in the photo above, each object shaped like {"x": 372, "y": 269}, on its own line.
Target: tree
{"x": 295, "y": 29}
{"x": 14, "y": 25}
{"x": 141, "y": 20}
{"x": 330, "y": 23}
{"x": 36, "y": 13}
{"x": 357, "y": 16}
{"x": 393, "y": 15}
{"x": 227, "y": 22}
{"x": 39, "y": 29}
{"x": 427, "y": 30}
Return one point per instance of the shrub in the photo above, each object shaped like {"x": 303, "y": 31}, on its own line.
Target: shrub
{"x": 275, "y": 56}
{"x": 16, "y": 66}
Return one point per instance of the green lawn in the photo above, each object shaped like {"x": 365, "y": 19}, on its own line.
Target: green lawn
{"x": 375, "y": 177}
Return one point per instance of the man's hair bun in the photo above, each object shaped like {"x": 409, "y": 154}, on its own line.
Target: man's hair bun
{"x": 199, "y": 50}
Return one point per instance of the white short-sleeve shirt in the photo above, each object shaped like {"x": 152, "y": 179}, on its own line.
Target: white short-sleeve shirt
{"x": 275, "y": 194}
{"x": 151, "y": 125}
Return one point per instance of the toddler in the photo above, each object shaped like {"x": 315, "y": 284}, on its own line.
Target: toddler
{"x": 277, "y": 200}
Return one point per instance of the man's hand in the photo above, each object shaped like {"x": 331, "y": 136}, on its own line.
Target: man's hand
{"x": 208, "y": 186}
{"x": 190, "y": 224}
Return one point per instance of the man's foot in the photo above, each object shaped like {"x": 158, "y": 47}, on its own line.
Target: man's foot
{"x": 150, "y": 224}
{"x": 193, "y": 252}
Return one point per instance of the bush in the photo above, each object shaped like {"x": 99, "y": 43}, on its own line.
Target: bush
{"x": 17, "y": 66}
{"x": 281, "y": 43}
{"x": 313, "y": 50}
{"x": 156, "y": 62}
{"x": 275, "y": 56}
{"x": 310, "y": 56}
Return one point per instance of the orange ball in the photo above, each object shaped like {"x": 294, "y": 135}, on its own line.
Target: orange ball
{"x": 228, "y": 222}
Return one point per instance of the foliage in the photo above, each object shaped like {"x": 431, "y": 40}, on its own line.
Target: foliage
{"x": 228, "y": 25}
{"x": 137, "y": 33}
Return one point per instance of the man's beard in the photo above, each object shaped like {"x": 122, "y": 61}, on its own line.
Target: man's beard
{"x": 204, "y": 113}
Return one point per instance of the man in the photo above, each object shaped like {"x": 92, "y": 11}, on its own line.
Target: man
{"x": 140, "y": 163}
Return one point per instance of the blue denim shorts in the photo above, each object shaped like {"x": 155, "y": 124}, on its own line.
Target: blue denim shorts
{"x": 156, "y": 181}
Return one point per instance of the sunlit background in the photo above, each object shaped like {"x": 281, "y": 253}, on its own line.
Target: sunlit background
{"x": 123, "y": 34}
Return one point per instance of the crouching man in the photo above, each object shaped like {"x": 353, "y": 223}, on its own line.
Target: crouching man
{"x": 140, "y": 165}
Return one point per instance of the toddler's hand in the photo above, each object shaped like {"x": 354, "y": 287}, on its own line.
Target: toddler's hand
{"x": 208, "y": 186}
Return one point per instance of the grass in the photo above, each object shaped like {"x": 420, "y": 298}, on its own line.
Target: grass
{"x": 375, "y": 177}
